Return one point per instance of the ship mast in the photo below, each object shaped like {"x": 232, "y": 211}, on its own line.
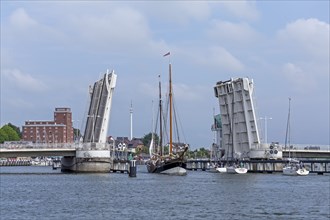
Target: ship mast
{"x": 160, "y": 147}
{"x": 287, "y": 134}
{"x": 170, "y": 97}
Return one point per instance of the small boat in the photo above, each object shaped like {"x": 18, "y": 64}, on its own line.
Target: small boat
{"x": 172, "y": 163}
{"x": 295, "y": 170}
{"x": 56, "y": 164}
{"x": 293, "y": 167}
{"x": 232, "y": 170}
{"x": 236, "y": 170}
{"x": 222, "y": 169}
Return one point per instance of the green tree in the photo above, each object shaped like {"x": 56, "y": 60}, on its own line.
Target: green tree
{"x": 3, "y": 136}
{"x": 143, "y": 150}
{"x": 17, "y": 129}
{"x": 8, "y": 134}
{"x": 76, "y": 133}
{"x": 147, "y": 139}
{"x": 198, "y": 153}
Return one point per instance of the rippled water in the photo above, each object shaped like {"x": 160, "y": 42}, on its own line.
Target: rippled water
{"x": 41, "y": 193}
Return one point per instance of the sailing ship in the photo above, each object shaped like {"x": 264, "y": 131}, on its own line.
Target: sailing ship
{"x": 293, "y": 167}
{"x": 172, "y": 163}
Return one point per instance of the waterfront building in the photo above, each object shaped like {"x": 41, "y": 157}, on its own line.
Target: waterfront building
{"x": 122, "y": 143}
{"x": 59, "y": 130}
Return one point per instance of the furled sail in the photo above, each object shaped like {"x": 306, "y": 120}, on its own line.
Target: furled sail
{"x": 151, "y": 146}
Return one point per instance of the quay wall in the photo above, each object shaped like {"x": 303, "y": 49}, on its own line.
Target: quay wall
{"x": 263, "y": 166}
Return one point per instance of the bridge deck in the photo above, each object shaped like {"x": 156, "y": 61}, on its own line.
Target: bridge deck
{"x": 41, "y": 152}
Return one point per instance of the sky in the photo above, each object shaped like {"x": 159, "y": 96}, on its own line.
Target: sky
{"x": 51, "y": 51}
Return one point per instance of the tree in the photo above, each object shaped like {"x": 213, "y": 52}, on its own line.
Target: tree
{"x": 8, "y": 134}
{"x": 76, "y": 133}
{"x": 199, "y": 153}
{"x": 3, "y": 136}
{"x": 17, "y": 129}
{"x": 147, "y": 139}
{"x": 143, "y": 149}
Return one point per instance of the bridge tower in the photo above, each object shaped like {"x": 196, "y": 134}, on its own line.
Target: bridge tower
{"x": 240, "y": 134}
{"x": 99, "y": 109}
{"x": 94, "y": 154}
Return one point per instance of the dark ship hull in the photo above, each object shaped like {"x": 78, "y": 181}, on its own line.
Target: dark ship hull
{"x": 170, "y": 166}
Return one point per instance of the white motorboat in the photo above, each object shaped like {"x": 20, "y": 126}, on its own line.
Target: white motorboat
{"x": 295, "y": 170}
{"x": 232, "y": 170}
{"x": 222, "y": 169}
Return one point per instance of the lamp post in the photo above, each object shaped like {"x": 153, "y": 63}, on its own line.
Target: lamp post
{"x": 265, "y": 118}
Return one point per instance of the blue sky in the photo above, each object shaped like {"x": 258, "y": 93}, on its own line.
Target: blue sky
{"x": 52, "y": 51}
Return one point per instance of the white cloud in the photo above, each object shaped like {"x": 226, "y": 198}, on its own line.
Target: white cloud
{"x": 120, "y": 30}
{"x": 241, "y": 9}
{"x": 23, "y": 29}
{"x": 120, "y": 27}
{"x": 301, "y": 81}
{"x": 21, "y": 20}
{"x": 18, "y": 102}
{"x": 308, "y": 36}
{"x": 23, "y": 80}
{"x": 218, "y": 57}
{"x": 304, "y": 45}
{"x": 229, "y": 33}
{"x": 179, "y": 12}
{"x": 188, "y": 92}
{"x": 182, "y": 92}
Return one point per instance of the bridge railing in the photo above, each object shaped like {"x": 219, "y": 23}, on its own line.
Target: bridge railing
{"x": 78, "y": 146}
{"x": 307, "y": 147}
{"x": 38, "y": 146}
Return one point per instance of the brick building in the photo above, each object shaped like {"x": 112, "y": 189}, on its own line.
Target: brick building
{"x": 58, "y": 131}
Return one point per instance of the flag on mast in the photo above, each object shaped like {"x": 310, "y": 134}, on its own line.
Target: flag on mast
{"x": 169, "y": 53}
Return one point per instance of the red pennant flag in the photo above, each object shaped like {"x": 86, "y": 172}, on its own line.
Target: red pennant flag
{"x": 166, "y": 54}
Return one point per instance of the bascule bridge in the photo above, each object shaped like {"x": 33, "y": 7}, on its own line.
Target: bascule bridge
{"x": 94, "y": 153}
{"x": 240, "y": 134}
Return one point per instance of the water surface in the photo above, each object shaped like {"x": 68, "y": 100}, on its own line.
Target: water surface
{"x": 43, "y": 193}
